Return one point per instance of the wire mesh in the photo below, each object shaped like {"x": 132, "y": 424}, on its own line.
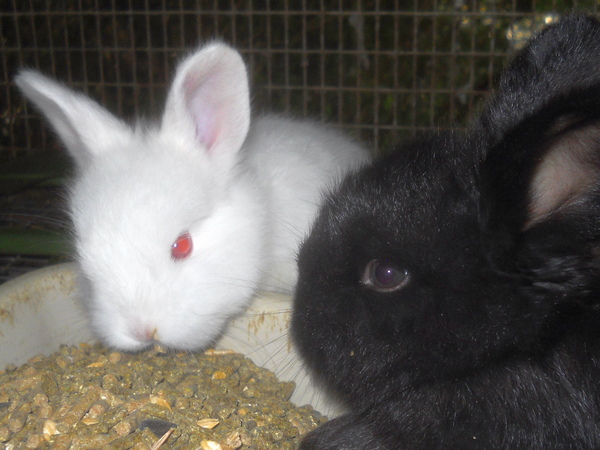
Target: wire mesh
{"x": 382, "y": 69}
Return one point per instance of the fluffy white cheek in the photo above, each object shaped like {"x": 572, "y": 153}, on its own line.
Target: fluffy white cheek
{"x": 197, "y": 315}
{"x": 219, "y": 280}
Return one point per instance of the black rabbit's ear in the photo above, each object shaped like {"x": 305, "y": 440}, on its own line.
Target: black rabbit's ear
{"x": 567, "y": 171}
{"x": 540, "y": 135}
{"x": 562, "y": 58}
{"x": 548, "y": 165}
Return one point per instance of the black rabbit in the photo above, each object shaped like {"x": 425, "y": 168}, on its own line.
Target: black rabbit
{"x": 449, "y": 294}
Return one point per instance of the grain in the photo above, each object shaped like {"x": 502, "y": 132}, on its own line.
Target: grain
{"x": 90, "y": 397}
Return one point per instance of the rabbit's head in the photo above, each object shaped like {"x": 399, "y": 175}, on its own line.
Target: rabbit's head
{"x": 461, "y": 250}
{"x": 168, "y": 230}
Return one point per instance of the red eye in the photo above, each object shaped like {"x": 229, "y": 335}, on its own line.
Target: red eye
{"x": 182, "y": 247}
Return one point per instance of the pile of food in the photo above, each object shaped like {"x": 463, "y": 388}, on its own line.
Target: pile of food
{"x": 90, "y": 397}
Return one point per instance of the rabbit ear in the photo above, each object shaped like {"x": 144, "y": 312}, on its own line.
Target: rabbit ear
{"x": 548, "y": 164}
{"x": 84, "y": 126}
{"x": 209, "y": 102}
{"x": 562, "y": 58}
{"x": 568, "y": 170}
{"x": 540, "y": 131}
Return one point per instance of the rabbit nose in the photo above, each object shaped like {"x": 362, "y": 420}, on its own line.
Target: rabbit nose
{"x": 146, "y": 334}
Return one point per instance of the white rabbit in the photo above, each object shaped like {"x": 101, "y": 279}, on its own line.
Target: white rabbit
{"x": 177, "y": 225}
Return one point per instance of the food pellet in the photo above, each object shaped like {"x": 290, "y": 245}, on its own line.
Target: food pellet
{"x": 85, "y": 397}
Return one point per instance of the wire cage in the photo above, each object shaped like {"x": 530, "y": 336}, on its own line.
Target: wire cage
{"x": 381, "y": 69}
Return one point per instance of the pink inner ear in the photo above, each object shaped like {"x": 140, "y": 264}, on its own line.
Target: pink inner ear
{"x": 567, "y": 172}
{"x": 203, "y": 111}
{"x": 207, "y": 124}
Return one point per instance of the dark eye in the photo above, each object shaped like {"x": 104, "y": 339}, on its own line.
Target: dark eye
{"x": 384, "y": 277}
{"x": 182, "y": 247}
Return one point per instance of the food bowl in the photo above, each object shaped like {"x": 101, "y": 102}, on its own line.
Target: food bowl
{"x": 39, "y": 311}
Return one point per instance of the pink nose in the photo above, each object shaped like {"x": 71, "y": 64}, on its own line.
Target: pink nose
{"x": 146, "y": 334}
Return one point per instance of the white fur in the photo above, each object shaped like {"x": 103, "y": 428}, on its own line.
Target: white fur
{"x": 247, "y": 199}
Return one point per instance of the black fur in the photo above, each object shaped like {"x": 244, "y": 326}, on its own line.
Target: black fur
{"x": 494, "y": 339}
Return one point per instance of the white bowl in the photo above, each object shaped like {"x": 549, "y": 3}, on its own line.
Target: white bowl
{"x": 39, "y": 311}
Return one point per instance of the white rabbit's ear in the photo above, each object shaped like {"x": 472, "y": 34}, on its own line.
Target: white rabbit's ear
{"x": 209, "y": 101}
{"x": 86, "y": 128}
